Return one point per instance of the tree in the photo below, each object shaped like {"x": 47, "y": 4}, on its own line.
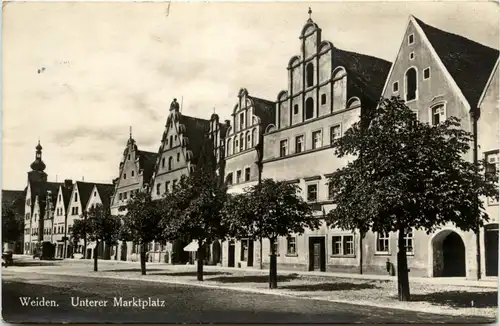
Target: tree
{"x": 141, "y": 223}
{"x": 193, "y": 209}
{"x": 12, "y": 226}
{"x": 407, "y": 174}
{"x": 269, "y": 210}
{"x": 79, "y": 231}
{"x": 102, "y": 228}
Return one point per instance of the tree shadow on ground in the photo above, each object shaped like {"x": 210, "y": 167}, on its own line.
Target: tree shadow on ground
{"x": 253, "y": 278}
{"x": 460, "y": 299}
{"x": 342, "y": 286}
{"x": 35, "y": 263}
{"x": 132, "y": 270}
{"x": 192, "y": 273}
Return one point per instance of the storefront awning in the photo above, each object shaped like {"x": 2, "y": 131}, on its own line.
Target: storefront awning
{"x": 193, "y": 246}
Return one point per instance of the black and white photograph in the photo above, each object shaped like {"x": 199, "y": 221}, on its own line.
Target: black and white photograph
{"x": 302, "y": 162}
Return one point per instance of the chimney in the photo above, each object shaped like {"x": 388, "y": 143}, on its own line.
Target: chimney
{"x": 228, "y": 123}
{"x": 68, "y": 183}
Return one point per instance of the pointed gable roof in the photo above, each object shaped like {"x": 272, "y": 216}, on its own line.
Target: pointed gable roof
{"x": 40, "y": 189}
{"x": 84, "y": 191}
{"x": 264, "y": 109}
{"x": 66, "y": 194}
{"x": 147, "y": 161}
{"x": 105, "y": 192}
{"x": 196, "y": 130}
{"x": 469, "y": 63}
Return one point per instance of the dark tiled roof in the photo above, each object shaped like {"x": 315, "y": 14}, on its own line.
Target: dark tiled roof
{"x": 105, "y": 192}
{"x": 40, "y": 189}
{"x": 366, "y": 75}
{"x": 84, "y": 190}
{"x": 66, "y": 193}
{"x": 265, "y": 110}
{"x": 468, "y": 62}
{"x": 196, "y": 130}
{"x": 147, "y": 161}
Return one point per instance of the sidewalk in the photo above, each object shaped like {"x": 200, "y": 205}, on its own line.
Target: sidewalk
{"x": 366, "y": 290}
{"x": 490, "y": 282}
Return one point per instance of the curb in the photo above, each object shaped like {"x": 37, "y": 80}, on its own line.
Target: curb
{"x": 269, "y": 292}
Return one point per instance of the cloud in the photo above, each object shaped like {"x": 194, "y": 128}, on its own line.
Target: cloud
{"x": 68, "y": 137}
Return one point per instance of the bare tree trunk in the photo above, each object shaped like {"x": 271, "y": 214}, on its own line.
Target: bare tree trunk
{"x": 403, "y": 281}
{"x": 143, "y": 259}
{"x": 273, "y": 270}
{"x": 95, "y": 255}
{"x": 199, "y": 258}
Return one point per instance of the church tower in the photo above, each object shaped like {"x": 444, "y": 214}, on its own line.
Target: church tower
{"x": 37, "y": 167}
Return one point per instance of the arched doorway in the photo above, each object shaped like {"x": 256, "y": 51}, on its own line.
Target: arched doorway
{"x": 448, "y": 255}
{"x": 491, "y": 249}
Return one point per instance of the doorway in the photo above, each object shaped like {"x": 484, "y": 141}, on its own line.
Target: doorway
{"x": 317, "y": 254}
{"x": 448, "y": 251}
{"x": 491, "y": 249}
{"x": 231, "y": 253}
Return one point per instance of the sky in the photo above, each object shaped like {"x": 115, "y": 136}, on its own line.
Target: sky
{"x": 78, "y": 75}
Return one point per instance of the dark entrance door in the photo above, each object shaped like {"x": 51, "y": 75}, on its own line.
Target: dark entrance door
{"x": 250, "y": 253}
{"x": 123, "y": 251}
{"x": 491, "y": 250}
{"x": 231, "y": 253}
{"x": 453, "y": 255}
{"x": 317, "y": 259}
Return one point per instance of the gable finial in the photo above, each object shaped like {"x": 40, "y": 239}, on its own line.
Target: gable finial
{"x": 130, "y": 131}
{"x": 310, "y": 13}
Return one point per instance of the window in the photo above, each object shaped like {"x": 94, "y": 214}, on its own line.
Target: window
{"x": 296, "y": 109}
{"x": 254, "y": 137}
{"x": 382, "y": 242}
{"x": 242, "y": 142}
{"x": 178, "y": 157}
{"x": 170, "y": 162}
{"x": 334, "y": 133}
{"x": 76, "y": 210}
{"x": 491, "y": 168}
{"x": 348, "y": 245}
{"x": 438, "y": 114}
{"x": 120, "y": 196}
{"x": 249, "y": 140}
{"x": 167, "y": 186}
{"x": 309, "y": 108}
{"x": 337, "y": 245}
{"x": 158, "y": 188}
{"x": 76, "y": 198}
{"x": 59, "y": 197}
{"x": 409, "y": 241}
{"x": 323, "y": 99}
{"x": 291, "y": 246}
{"x": 330, "y": 190}
{"x": 312, "y": 192}
{"x": 395, "y": 87}
{"x": 174, "y": 183}
{"x": 411, "y": 84}
{"x": 247, "y": 174}
{"x": 244, "y": 250}
{"x": 171, "y": 141}
{"x": 163, "y": 162}
{"x": 125, "y": 195}
{"x": 427, "y": 73}
{"x": 238, "y": 176}
{"x": 412, "y": 55}
{"x": 124, "y": 176}
{"x": 242, "y": 120}
{"x": 310, "y": 74}
{"x": 229, "y": 179}
{"x": 175, "y": 137}
{"x": 411, "y": 39}
{"x": 316, "y": 139}
{"x": 283, "y": 147}
{"x": 299, "y": 144}
{"x": 236, "y": 144}
{"x": 228, "y": 147}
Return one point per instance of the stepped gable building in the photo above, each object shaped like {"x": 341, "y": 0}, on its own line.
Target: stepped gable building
{"x": 439, "y": 75}
{"x": 242, "y": 161}
{"x": 329, "y": 89}
{"x": 217, "y": 134}
{"x": 180, "y": 147}
{"x": 39, "y": 204}
{"x": 60, "y": 231}
{"x": 14, "y": 199}
{"x": 134, "y": 174}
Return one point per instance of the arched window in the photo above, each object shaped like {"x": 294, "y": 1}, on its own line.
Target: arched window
{"x": 170, "y": 161}
{"x": 254, "y": 137}
{"x": 249, "y": 140}
{"x": 171, "y": 141}
{"x": 228, "y": 147}
{"x": 235, "y": 149}
{"x": 242, "y": 142}
{"x": 163, "y": 162}
{"x": 310, "y": 74}
{"x": 411, "y": 84}
{"x": 309, "y": 108}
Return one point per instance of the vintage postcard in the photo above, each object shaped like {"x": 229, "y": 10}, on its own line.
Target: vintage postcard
{"x": 257, "y": 162}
